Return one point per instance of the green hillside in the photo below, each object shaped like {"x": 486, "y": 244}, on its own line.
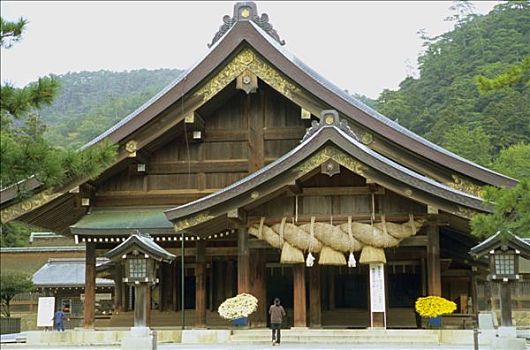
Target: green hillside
{"x": 445, "y": 103}
{"x": 91, "y": 102}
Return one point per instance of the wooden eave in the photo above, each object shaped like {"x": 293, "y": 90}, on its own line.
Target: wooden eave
{"x": 245, "y": 32}
{"x": 159, "y": 115}
{"x": 322, "y": 143}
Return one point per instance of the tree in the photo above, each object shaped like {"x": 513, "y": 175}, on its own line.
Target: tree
{"x": 24, "y": 151}
{"x": 11, "y": 284}
{"x": 511, "y": 211}
{"x": 514, "y": 161}
{"x": 470, "y": 144}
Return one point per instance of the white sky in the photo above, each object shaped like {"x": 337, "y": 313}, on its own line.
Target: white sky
{"x": 364, "y": 47}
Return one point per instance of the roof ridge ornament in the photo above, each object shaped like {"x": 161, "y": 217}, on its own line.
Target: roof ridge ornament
{"x": 330, "y": 118}
{"x": 245, "y": 11}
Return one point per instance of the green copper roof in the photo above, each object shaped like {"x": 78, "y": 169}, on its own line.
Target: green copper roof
{"x": 123, "y": 221}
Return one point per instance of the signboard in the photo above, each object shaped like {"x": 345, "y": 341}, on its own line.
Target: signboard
{"x": 377, "y": 288}
{"x": 99, "y": 296}
{"x": 45, "y": 312}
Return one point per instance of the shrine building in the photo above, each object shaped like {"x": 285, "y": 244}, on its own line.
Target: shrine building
{"x": 263, "y": 177}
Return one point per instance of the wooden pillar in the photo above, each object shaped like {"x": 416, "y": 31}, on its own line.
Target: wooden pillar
{"x": 230, "y": 278}
{"x": 200, "y": 285}
{"x": 315, "y": 308}
{"x": 506, "y": 304}
{"x": 299, "y": 296}
{"x": 434, "y": 280}
{"x": 148, "y": 303}
{"x": 118, "y": 287}
{"x": 243, "y": 261}
{"x": 90, "y": 286}
{"x": 259, "y": 287}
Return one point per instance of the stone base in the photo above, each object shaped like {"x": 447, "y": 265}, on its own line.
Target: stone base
{"x": 205, "y": 336}
{"x": 508, "y": 343}
{"x": 140, "y": 338}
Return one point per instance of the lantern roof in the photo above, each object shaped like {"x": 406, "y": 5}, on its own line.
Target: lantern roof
{"x": 502, "y": 240}
{"x": 143, "y": 243}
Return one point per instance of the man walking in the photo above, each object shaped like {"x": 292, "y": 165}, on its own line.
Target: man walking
{"x": 59, "y": 318}
{"x": 277, "y": 313}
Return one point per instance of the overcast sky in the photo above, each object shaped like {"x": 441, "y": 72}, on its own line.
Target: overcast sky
{"x": 364, "y": 47}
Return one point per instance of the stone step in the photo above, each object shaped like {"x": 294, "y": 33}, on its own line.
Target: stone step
{"x": 337, "y": 336}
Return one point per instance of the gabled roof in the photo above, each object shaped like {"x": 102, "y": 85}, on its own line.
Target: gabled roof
{"x": 145, "y": 244}
{"x": 68, "y": 272}
{"x": 500, "y": 239}
{"x": 333, "y": 139}
{"x": 247, "y": 32}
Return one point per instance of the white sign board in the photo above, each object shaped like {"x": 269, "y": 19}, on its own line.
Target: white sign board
{"x": 45, "y": 312}
{"x": 377, "y": 288}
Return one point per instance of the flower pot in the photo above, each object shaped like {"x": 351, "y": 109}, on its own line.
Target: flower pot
{"x": 435, "y": 322}
{"x": 240, "y": 322}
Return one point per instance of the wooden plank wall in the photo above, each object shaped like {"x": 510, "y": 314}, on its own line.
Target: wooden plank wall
{"x": 242, "y": 133}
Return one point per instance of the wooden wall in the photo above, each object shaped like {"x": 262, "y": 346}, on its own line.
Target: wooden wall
{"x": 241, "y": 134}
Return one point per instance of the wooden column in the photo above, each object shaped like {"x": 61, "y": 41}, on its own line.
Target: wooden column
{"x": 118, "y": 287}
{"x": 434, "y": 280}
{"x": 200, "y": 285}
{"x": 90, "y": 286}
{"x": 243, "y": 261}
{"x": 315, "y": 309}
{"x": 506, "y": 304}
{"x": 299, "y": 296}
{"x": 259, "y": 287}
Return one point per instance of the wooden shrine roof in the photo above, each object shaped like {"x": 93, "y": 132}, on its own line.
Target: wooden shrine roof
{"x": 329, "y": 139}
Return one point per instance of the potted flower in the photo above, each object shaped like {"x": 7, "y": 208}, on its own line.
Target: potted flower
{"x": 238, "y": 308}
{"x": 434, "y": 307}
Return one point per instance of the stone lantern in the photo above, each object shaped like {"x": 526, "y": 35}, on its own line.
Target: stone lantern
{"x": 503, "y": 251}
{"x": 140, "y": 254}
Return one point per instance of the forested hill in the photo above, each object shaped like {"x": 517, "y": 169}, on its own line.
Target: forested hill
{"x": 473, "y": 92}
{"x": 91, "y": 102}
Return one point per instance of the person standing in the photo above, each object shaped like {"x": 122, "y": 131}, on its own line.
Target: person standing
{"x": 277, "y": 313}
{"x": 59, "y": 320}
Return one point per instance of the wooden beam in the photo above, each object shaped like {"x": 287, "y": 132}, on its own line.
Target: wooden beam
{"x": 89, "y": 305}
{"x": 299, "y": 296}
{"x": 434, "y": 282}
{"x": 200, "y": 285}
{"x": 259, "y": 287}
{"x": 202, "y": 166}
{"x": 340, "y": 191}
{"x": 315, "y": 307}
{"x": 243, "y": 261}
{"x": 239, "y": 215}
{"x": 255, "y": 118}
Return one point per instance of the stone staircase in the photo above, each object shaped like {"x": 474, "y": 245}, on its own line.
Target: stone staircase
{"x": 334, "y": 336}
